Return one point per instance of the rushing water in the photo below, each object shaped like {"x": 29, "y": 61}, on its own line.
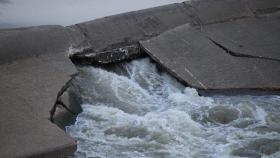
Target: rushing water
{"x": 133, "y": 110}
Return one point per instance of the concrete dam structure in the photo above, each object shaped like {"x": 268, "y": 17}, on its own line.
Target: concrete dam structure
{"x": 210, "y": 45}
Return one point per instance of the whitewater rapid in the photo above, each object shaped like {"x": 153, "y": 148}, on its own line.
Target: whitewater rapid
{"x": 133, "y": 110}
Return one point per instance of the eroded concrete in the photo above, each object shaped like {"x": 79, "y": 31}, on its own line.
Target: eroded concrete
{"x": 207, "y": 44}
{"x": 118, "y": 32}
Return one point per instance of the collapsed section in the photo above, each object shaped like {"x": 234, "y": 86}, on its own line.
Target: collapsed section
{"x": 203, "y": 48}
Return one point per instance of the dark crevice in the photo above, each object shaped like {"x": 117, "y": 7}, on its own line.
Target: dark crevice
{"x": 236, "y": 54}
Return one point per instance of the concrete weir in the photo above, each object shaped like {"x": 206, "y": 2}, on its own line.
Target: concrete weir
{"x": 34, "y": 66}
{"x": 207, "y": 44}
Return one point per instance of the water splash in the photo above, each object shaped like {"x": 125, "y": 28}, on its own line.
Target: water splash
{"x": 134, "y": 110}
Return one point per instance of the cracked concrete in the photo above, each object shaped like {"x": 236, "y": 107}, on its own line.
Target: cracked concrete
{"x": 110, "y": 33}
{"x": 207, "y": 44}
{"x": 236, "y": 54}
{"x": 189, "y": 55}
{"x": 59, "y": 101}
{"x": 246, "y": 30}
{"x": 254, "y": 37}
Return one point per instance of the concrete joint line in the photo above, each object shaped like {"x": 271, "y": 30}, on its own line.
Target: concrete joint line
{"x": 236, "y": 54}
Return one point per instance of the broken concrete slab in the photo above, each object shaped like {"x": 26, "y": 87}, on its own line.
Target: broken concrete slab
{"x": 218, "y": 20}
{"x": 87, "y": 56}
{"x": 251, "y": 37}
{"x": 195, "y": 60}
{"x": 112, "y": 33}
{"x": 67, "y": 106}
{"x": 128, "y": 28}
{"x": 34, "y": 65}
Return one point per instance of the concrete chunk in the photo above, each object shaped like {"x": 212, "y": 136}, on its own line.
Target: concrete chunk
{"x": 128, "y": 28}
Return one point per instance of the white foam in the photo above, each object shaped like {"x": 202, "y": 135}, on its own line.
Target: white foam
{"x": 149, "y": 114}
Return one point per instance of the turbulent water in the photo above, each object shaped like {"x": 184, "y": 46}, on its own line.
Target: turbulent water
{"x": 133, "y": 110}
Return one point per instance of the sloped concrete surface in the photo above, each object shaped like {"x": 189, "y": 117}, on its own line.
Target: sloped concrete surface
{"x": 242, "y": 37}
{"x": 253, "y": 37}
{"x": 207, "y": 44}
{"x": 240, "y": 54}
{"x": 128, "y": 28}
{"x": 34, "y": 66}
{"x": 33, "y": 41}
{"x": 213, "y": 11}
{"x": 107, "y": 35}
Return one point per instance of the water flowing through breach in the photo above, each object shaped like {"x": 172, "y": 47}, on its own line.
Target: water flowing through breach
{"x": 134, "y": 110}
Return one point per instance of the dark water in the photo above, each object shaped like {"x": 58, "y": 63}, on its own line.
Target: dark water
{"x": 134, "y": 111}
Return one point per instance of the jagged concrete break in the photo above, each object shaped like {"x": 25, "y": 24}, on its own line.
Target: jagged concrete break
{"x": 208, "y": 44}
{"x": 242, "y": 34}
{"x": 109, "y": 34}
{"x": 119, "y": 34}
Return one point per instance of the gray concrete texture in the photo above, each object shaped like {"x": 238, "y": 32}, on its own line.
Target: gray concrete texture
{"x": 27, "y": 42}
{"x": 193, "y": 58}
{"x": 34, "y": 66}
{"x": 208, "y": 44}
{"x": 28, "y": 91}
{"x": 240, "y": 52}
